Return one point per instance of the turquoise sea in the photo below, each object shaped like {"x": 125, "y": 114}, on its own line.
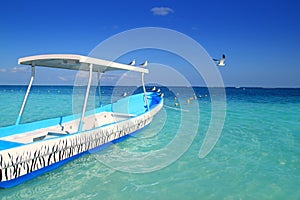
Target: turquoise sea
{"x": 256, "y": 157}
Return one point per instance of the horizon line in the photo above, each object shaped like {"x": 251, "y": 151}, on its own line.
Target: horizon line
{"x": 237, "y": 87}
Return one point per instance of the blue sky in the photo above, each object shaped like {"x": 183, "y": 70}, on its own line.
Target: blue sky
{"x": 259, "y": 37}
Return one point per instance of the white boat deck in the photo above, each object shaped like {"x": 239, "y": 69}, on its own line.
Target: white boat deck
{"x": 71, "y": 127}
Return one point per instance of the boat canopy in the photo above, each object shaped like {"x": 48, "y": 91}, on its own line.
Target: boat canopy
{"x": 77, "y": 62}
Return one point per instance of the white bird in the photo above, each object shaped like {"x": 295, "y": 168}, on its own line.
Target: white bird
{"x": 132, "y": 62}
{"x": 221, "y": 62}
{"x": 153, "y": 89}
{"x": 158, "y": 91}
{"x": 124, "y": 94}
{"x": 144, "y": 64}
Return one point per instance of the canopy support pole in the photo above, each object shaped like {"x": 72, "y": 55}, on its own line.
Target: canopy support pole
{"x": 26, "y": 95}
{"x": 81, "y": 122}
{"x": 145, "y": 95}
{"x": 99, "y": 89}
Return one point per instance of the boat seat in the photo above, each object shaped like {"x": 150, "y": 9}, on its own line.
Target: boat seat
{"x": 39, "y": 138}
{"x": 58, "y": 133}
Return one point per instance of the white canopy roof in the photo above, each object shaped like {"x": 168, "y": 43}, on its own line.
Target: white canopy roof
{"x": 77, "y": 62}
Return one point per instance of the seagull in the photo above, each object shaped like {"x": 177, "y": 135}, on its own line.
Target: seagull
{"x": 144, "y": 64}
{"x": 158, "y": 91}
{"x": 221, "y": 63}
{"x": 153, "y": 89}
{"x": 124, "y": 94}
{"x": 132, "y": 62}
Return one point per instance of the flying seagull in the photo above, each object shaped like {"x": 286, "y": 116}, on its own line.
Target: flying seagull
{"x": 144, "y": 64}
{"x": 221, "y": 63}
{"x": 132, "y": 62}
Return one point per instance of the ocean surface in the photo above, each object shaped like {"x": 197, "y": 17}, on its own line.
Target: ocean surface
{"x": 256, "y": 157}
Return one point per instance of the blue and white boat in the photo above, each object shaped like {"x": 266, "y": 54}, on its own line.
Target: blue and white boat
{"x": 30, "y": 149}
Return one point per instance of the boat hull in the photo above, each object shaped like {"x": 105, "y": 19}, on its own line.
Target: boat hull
{"x": 25, "y": 162}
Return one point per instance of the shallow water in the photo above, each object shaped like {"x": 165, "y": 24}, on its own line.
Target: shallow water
{"x": 256, "y": 157}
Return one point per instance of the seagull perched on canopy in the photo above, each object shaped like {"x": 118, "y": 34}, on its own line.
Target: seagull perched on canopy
{"x": 132, "y": 62}
{"x": 153, "y": 89}
{"x": 221, "y": 62}
{"x": 144, "y": 64}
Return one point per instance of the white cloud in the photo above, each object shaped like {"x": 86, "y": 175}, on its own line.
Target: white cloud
{"x": 3, "y": 70}
{"x": 62, "y": 78}
{"x": 161, "y": 11}
{"x": 82, "y": 74}
{"x": 20, "y": 69}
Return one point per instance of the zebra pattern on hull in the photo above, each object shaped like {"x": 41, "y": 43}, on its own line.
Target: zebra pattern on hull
{"x": 37, "y": 155}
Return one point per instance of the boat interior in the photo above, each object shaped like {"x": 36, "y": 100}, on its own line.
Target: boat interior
{"x": 22, "y": 134}
{"x": 70, "y": 127}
